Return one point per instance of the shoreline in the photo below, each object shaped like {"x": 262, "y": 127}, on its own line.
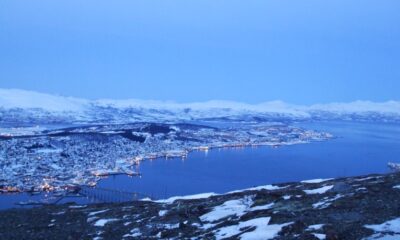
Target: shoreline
{"x": 151, "y": 157}
{"x": 71, "y": 156}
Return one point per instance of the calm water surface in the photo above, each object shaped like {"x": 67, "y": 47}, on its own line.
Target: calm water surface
{"x": 359, "y": 148}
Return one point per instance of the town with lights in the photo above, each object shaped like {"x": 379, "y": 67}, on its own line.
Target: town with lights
{"x": 53, "y": 160}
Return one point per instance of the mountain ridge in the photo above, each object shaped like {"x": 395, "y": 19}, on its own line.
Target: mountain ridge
{"x": 35, "y": 106}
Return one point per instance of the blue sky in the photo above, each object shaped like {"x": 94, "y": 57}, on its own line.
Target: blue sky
{"x": 301, "y": 52}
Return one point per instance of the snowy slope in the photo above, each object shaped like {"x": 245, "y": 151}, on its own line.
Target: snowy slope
{"x": 15, "y": 98}
{"x": 27, "y": 106}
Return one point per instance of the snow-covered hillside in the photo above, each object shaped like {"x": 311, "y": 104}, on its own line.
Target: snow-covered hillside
{"x": 27, "y": 106}
{"x": 16, "y": 98}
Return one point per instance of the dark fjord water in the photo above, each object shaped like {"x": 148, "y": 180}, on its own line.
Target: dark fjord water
{"x": 358, "y": 149}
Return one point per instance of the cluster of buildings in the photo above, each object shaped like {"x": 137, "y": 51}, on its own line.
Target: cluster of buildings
{"x": 54, "y": 160}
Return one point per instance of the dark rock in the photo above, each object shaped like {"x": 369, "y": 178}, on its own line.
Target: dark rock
{"x": 343, "y": 218}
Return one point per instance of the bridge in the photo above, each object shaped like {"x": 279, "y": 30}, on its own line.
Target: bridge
{"x": 93, "y": 194}
{"x": 97, "y": 194}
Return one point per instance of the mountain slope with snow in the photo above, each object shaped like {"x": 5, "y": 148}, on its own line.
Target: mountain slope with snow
{"x": 15, "y": 98}
{"x": 27, "y": 106}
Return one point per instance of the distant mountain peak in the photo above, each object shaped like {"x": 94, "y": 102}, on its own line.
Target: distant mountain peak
{"x": 34, "y": 105}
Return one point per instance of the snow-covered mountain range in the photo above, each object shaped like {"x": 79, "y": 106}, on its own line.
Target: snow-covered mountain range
{"x": 20, "y": 106}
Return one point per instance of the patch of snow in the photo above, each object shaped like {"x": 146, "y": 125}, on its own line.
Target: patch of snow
{"x": 319, "y": 236}
{"x": 287, "y": 197}
{"x": 205, "y": 226}
{"x": 364, "y": 179}
{"x": 320, "y": 190}
{"x": 397, "y": 186}
{"x": 48, "y": 150}
{"x": 265, "y": 187}
{"x": 112, "y": 132}
{"x": 189, "y": 197}
{"x": 319, "y": 180}
{"x": 103, "y": 222}
{"x": 232, "y": 207}
{"x": 162, "y": 213}
{"x": 196, "y": 225}
{"x": 326, "y": 202}
{"x": 77, "y": 206}
{"x": 59, "y": 213}
{"x": 133, "y": 233}
{"x": 381, "y": 236}
{"x": 91, "y": 219}
{"x": 315, "y": 227}
{"x": 392, "y": 226}
{"x": 171, "y": 226}
{"x": 98, "y": 212}
{"x": 263, "y": 207}
{"x": 262, "y": 229}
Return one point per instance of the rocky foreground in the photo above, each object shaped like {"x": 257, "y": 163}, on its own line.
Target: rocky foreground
{"x": 349, "y": 208}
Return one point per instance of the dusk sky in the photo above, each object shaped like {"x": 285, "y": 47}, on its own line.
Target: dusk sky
{"x": 301, "y": 52}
